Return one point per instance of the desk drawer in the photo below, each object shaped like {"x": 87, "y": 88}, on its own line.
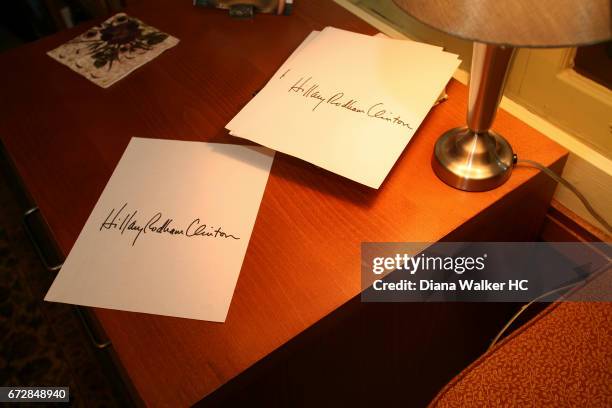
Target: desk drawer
{"x": 27, "y": 215}
{"x": 42, "y": 239}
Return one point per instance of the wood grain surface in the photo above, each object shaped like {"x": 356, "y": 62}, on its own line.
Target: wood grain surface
{"x": 65, "y": 135}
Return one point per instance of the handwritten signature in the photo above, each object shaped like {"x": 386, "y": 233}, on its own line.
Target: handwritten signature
{"x": 307, "y": 88}
{"x": 122, "y": 221}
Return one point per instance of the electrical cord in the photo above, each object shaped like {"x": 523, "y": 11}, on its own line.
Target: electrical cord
{"x": 574, "y": 285}
{"x": 525, "y": 307}
{"x": 590, "y": 209}
{"x": 571, "y": 187}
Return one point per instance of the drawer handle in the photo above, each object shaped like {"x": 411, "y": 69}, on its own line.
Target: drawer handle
{"x": 31, "y": 235}
{"x": 52, "y": 268}
{"x": 96, "y": 343}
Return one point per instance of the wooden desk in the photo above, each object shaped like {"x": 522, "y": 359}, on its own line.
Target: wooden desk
{"x": 300, "y": 281}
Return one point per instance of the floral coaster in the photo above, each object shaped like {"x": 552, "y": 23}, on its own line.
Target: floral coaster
{"x": 106, "y": 53}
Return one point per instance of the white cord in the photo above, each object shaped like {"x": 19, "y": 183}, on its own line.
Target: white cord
{"x": 591, "y": 210}
{"x": 525, "y": 307}
{"x": 571, "y": 187}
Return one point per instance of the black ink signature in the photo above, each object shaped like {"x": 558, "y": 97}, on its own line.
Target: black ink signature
{"x": 123, "y": 220}
{"x": 306, "y": 88}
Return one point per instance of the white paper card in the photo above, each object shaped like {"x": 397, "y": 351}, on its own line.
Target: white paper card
{"x": 310, "y": 37}
{"x": 170, "y": 231}
{"x": 347, "y": 102}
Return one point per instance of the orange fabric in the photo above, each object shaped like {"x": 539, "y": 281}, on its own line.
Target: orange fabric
{"x": 561, "y": 358}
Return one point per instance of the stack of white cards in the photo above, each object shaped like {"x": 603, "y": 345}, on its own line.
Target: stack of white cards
{"x": 347, "y": 102}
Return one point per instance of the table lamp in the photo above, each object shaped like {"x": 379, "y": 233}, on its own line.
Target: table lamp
{"x": 474, "y": 158}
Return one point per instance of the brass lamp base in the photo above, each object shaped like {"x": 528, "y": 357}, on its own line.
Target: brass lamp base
{"x": 472, "y": 161}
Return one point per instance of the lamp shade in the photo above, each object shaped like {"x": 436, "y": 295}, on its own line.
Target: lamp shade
{"x": 517, "y": 23}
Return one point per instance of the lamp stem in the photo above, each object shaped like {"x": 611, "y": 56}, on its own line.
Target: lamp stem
{"x": 487, "y": 80}
{"x": 474, "y": 158}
